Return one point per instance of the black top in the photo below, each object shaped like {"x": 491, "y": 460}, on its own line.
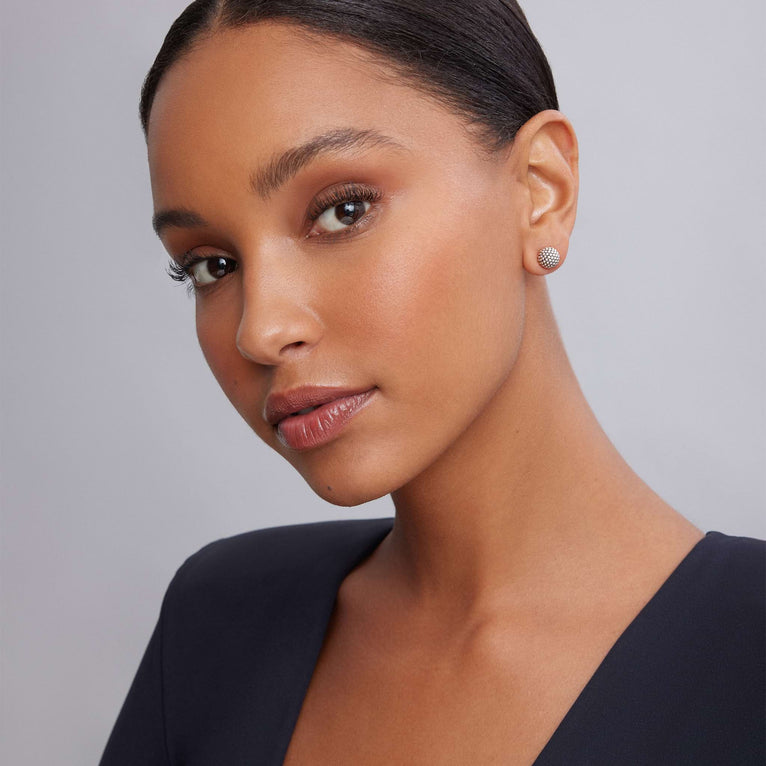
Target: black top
{"x": 242, "y": 623}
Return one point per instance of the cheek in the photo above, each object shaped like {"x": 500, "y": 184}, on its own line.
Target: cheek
{"x": 440, "y": 317}
{"x": 217, "y": 326}
{"x": 446, "y": 305}
{"x": 443, "y": 326}
{"x": 216, "y": 337}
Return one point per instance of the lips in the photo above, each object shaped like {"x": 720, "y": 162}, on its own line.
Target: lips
{"x": 281, "y": 405}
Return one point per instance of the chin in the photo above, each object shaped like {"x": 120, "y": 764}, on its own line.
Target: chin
{"x": 345, "y": 491}
{"x": 350, "y": 482}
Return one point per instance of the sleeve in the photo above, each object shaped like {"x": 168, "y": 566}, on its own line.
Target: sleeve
{"x": 138, "y": 736}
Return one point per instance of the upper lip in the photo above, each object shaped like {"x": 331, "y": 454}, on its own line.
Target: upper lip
{"x": 280, "y": 404}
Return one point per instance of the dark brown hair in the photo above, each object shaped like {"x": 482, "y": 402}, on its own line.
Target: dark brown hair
{"x": 479, "y": 58}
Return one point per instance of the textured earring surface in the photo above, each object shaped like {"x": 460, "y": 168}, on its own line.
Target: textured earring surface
{"x": 549, "y": 257}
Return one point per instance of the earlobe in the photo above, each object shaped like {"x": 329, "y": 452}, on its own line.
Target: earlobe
{"x": 549, "y": 144}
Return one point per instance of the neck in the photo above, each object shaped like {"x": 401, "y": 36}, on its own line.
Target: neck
{"x": 533, "y": 479}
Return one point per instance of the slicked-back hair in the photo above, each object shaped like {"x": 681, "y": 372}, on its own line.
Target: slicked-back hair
{"x": 478, "y": 58}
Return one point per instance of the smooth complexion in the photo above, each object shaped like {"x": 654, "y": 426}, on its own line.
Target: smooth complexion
{"x": 523, "y": 544}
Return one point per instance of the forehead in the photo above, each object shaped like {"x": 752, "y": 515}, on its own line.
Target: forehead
{"x": 243, "y": 94}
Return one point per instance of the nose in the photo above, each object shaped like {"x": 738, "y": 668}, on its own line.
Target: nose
{"x": 277, "y": 321}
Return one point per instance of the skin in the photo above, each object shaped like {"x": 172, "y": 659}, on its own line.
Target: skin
{"x": 523, "y": 545}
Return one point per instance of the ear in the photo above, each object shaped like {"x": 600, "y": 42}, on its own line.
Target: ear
{"x": 546, "y": 148}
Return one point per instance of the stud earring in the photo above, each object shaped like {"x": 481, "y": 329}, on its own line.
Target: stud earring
{"x": 549, "y": 257}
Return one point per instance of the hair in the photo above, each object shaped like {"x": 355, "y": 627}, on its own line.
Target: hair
{"x": 478, "y": 58}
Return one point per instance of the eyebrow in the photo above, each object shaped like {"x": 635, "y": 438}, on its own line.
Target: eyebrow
{"x": 283, "y": 166}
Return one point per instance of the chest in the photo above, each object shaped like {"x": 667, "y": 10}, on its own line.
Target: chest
{"x": 493, "y": 700}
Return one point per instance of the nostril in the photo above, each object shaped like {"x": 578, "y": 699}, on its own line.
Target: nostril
{"x": 271, "y": 333}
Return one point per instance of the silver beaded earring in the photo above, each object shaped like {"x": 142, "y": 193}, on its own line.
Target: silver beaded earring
{"x": 549, "y": 257}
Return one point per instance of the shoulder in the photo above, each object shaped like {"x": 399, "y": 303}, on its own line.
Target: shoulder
{"x": 239, "y": 627}
{"x": 264, "y": 551}
{"x": 275, "y": 561}
{"x": 712, "y": 611}
{"x": 715, "y": 641}
{"x": 732, "y": 568}
{"x": 748, "y": 551}
{"x": 719, "y": 588}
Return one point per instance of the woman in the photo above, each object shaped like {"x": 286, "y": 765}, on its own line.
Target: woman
{"x": 367, "y": 199}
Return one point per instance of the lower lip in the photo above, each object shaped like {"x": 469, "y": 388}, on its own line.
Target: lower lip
{"x": 301, "y": 432}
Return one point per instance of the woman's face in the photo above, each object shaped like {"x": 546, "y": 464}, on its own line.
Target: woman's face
{"x": 413, "y": 289}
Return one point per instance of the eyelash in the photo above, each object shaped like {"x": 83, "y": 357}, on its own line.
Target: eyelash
{"x": 179, "y": 273}
{"x": 348, "y": 192}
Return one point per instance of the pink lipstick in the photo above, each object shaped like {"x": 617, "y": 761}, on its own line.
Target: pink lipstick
{"x": 307, "y": 418}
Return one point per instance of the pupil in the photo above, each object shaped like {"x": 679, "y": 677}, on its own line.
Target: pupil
{"x": 347, "y": 210}
{"x": 217, "y": 267}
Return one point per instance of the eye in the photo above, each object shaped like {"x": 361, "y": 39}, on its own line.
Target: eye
{"x": 200, "y": 271}
{"x": 343, "y": 208}
{"x": 344, "y": 215}
{"x": 208, "y": 270}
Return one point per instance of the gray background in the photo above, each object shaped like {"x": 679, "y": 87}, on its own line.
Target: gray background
{"x": 120, "y": 454}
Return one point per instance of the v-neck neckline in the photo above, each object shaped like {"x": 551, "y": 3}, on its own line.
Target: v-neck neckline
{"x": 318, "y": 634}
{"x": 617, "y": 651}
